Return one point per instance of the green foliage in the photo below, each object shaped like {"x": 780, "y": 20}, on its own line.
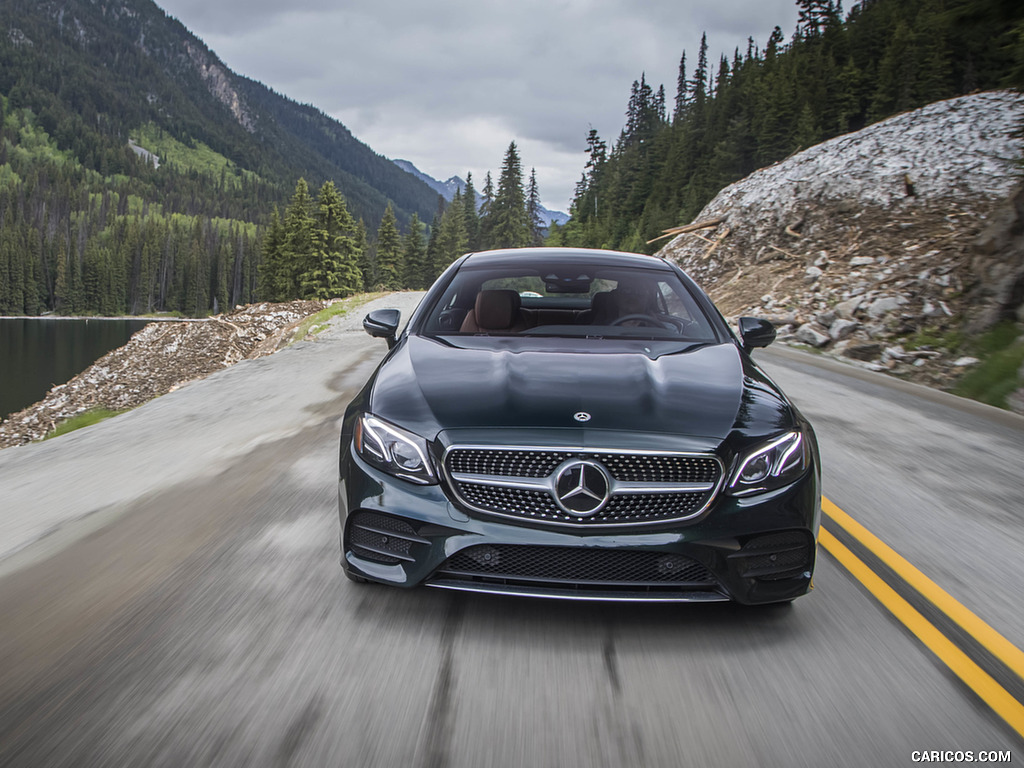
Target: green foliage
{"x": 318, "y": 322}
{"x": 334, "y": 272}
{"x": 85, "y": 419}
{"x": 836, "y": 75}
{"x": 414, "y": 256}
{"x": 1001, "y": 351}
{"x": 510, "y": 226}
{"x": 89, "y": 224}
{"x": 198, "y": 158}
{"x": 390, "y": 268}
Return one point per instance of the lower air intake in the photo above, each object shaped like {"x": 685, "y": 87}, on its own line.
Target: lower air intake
{"x": 508, "y": 563}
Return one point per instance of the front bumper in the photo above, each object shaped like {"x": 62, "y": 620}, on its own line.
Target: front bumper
{"x": 759, "y": 549}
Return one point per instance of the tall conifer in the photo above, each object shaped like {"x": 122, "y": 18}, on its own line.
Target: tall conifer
{"x": 511, "y": 228}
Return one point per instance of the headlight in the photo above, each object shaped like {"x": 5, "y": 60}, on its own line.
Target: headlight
{"x": 771, "y": 465}
{"x": 393, "y": 450}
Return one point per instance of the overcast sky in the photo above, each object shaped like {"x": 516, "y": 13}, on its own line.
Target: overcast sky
{"x": 448, "y": 84}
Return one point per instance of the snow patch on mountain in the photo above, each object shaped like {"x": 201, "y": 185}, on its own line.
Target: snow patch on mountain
{"x": 447, "y": 190}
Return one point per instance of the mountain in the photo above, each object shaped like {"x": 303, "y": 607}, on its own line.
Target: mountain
{"x": 447, "y": 190}
{"x": 96, "y": 74}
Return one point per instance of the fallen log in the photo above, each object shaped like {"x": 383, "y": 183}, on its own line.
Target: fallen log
{"x": 716, "y": 243}
{"x": 707, "y": 224}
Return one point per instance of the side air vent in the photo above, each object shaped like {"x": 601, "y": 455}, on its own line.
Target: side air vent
{"x": 382, "y": 538}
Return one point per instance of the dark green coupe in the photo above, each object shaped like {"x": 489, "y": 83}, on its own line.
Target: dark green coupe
{"x": 576, "y": 424}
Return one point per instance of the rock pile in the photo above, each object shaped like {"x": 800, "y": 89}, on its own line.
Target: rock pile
{"x": 867, "y": 246}
{"x": 158, "y": 359}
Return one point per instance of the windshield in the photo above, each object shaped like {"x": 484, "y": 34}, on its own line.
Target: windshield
{"x": 568, "y": 299}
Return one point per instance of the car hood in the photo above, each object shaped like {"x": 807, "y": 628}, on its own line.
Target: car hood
{"x": 711, "y": 391}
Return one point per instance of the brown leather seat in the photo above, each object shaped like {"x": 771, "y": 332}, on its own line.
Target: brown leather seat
{"x": 495, "y": 312}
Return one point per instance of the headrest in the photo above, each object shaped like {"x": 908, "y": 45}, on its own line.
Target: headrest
{"x": 496, "y": 310}
{"x": 603, "y": 303}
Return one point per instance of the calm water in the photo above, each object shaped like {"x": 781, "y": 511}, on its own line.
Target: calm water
{"x": 37, "y": 353}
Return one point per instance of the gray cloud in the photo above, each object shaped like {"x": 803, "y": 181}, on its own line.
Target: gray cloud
{"x": 449, "y": 84}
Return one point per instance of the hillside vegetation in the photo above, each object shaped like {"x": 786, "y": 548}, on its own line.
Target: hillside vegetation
{"x": 835, "y": 75}
{"x": 136, "y": 170}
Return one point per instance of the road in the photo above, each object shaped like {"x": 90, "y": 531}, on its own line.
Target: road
{"x": 170, "y": 595}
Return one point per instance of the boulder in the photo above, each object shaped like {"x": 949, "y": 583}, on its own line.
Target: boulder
{"x": 868, "y": 351}
{"x": 809, "y": 333}
{"x": 846, "y": 309}
{"x": 842, "y": 328}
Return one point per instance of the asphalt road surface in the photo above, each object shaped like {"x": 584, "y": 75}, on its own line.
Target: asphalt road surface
{"x": 170, "y": 595}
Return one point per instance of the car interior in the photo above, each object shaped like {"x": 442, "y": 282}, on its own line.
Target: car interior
{"x": 574, "y": 305}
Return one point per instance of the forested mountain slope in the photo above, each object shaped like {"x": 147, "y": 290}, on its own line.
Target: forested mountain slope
{"x": 93, "y": 97}
{"x": 839, "y": 72}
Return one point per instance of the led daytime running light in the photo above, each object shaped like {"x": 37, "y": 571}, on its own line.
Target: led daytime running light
{"x": 390, "y": 448}
{"x": 783, "y": 456}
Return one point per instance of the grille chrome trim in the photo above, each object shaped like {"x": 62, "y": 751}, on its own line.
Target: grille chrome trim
{"x": 558, "y": 455}
{"x": 548, "y": 484}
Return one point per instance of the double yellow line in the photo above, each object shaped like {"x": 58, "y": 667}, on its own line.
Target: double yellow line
{"x": 977, "y": 679}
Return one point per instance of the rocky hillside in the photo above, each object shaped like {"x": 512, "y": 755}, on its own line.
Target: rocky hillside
{"x": 158, "y": 359}
{"x": 879, "y": 246}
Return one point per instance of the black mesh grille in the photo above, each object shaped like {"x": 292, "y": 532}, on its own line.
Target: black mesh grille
{"x": 576, "y": 566}
{"x": 505, "y": 463}
{"x": 776, "y": 556}
{"x": 627, "y": 508}
{"x": 511, "y": 501}
{"x": 622, "y": 508}
{"x": 381, "y": 538}
{"x": 629, "y": 467}
{"x": 636, "y": 507}
{"x": 642, "y": 468}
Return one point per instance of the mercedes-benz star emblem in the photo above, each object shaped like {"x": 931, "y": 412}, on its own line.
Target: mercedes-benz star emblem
{"x": 582, "y": 488}
{"x": 581, "y": 416}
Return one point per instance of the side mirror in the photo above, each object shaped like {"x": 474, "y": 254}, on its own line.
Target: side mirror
{"x": 383, "y": 324}
{"x": 755, "y": 332}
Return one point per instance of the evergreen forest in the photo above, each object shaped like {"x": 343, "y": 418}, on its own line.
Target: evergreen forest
{"x": 316, "y": 249}
{"x": 837, "y": 73}
{"x": 129, "y": 186}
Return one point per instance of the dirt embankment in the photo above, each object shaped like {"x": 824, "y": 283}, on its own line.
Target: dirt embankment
{"x": 158, "y": 359}
{"x": 879, "y": 245}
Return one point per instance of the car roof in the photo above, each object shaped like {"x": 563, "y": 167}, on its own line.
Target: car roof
{"x": 591, "y": 256}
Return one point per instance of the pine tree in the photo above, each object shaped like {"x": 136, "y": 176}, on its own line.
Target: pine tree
{"x": 272, "y": 268}
{"x": 389, "y": 253}
{"x": 682, "y": 91}
{"x": 297, "y": 249}
{"x": 511, "y": 228}
{"x": 814, "y": 15}
{"x": 414, "y": 255}
{"x": 533, "y": 208}
{"x": 334, "y": 271}
{"x": 452, "y": 237}
{"x": 700, "y": 75}
{"x": 366, "y": 259}
{"x": 486, "y": 211}
{"x": 472, "y": 216}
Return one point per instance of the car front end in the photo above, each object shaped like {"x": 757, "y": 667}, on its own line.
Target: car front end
{"x": 598, "y": 465}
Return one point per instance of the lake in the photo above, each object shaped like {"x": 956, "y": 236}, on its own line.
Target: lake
{"x": 37, "y": 353}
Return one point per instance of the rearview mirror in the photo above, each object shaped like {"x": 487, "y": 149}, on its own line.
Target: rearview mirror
{"x": 383, "y": 324}
{"x": 755, "y": 332}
